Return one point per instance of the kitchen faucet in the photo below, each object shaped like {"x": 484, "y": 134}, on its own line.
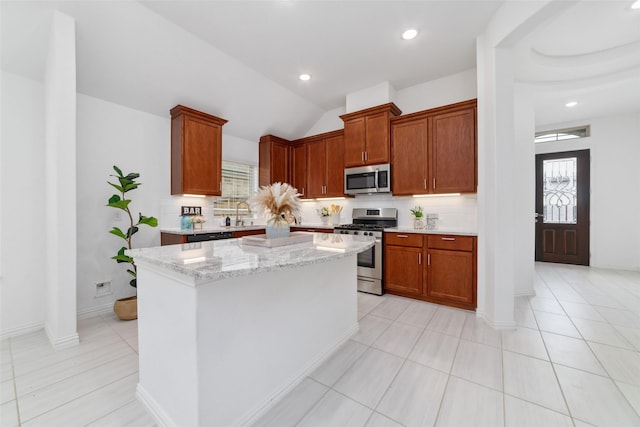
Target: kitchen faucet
{"x": 240, "y": 221}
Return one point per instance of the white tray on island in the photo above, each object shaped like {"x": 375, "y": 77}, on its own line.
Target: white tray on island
{"x": 293, "y": 239}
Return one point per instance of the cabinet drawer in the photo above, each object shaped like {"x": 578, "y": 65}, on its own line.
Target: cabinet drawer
{"x": 403, "y": 239}
{"x": 459, "y": 243}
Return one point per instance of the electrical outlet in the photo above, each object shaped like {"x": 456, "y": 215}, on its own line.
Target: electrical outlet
{"x": 103, "y": 288}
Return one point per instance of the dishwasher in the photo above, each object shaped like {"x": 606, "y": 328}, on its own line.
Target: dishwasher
{"x": 205, "y": 237}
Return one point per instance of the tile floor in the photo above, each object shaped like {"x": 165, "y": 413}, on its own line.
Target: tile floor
{"x": 574, "y": 360}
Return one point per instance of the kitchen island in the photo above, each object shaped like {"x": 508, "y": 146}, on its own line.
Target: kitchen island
{"x": 226, "y": 328}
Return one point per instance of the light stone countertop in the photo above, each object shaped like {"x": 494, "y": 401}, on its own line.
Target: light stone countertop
{"x": 221, "y": 259}
{"x": 219, "y": 229}
{"x": 452, "y": 231}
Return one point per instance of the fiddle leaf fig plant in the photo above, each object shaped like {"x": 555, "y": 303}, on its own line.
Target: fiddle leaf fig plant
{"x": 126, "y": 183}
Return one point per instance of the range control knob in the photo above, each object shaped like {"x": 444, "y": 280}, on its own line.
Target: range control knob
{"x": 355, "y": 232}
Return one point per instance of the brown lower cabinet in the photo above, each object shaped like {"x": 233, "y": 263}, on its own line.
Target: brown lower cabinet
{"x": 437, "y": 268}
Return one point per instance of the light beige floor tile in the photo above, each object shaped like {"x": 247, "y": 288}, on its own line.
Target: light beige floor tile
{"x": 572, "y": 352}
{"x": 89, "y": 407}
{"x": 391, "y": 308}
{"x": 367, "y": 302}
{"x": 601, "y": 332}
{"x": 359, "y": 384}
{"x": 131, "y": 414}
{"x": 9, "y": 414}
{"x": 371, "y": 327}
{"x": 448, "y": 321}
{"x": 525, "y": 319}
{"x": 616, "y": 316}
{"x": 525, "y": 414}
{"x": 579, "y": 423}
{"x": 435, "y": 350}
{"x": 581, "y": 311}
{"x": 334, "y": 367}
{"x": 533, "y": 380}
{"x": 414, "y": 397}
{"x": 549, "y": 305}
{"x": 477, "y": 330}
{"x": 631, "y": 334}
{"x": 631, "y": 393}
{"x": 398, "y": 339}
{"x": 468, "y": 404}
{"x": 556, "y": 323}
{"x": 294, "y": 405}
{"x": 336, "y": 410}
{"x": 418, "y": 314}
{"x": 479, "y": 363}
{"x": 595, "y": 399}
{"x": 568, "y": 294}
{"x": 621, "y": 364}
{"x": 67, "y": 368}
{"x": 7, "y": 391}
{"x": 524, "y": 341}
{"x": 378, "y": 420}
{"x": 47, "y": 398}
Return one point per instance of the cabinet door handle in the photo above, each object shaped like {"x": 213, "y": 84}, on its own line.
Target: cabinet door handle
{"x": 428, "y": 259}
{"x": 362, "y": 156}
{"x": 451, "y": 239}
{"x": 419, "y": 259}
{"x": 434, "y": 183}
{"x": 303, "y": 191}
{"x": 366, "y": 156}
{"x": 402, "y": 236}
{"x": 425, "y": 183}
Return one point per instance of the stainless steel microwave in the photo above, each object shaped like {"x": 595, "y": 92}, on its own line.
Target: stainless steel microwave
{"x": 367, "y": 179}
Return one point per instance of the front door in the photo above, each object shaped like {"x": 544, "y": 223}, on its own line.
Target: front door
{"x": 562, "y": 207}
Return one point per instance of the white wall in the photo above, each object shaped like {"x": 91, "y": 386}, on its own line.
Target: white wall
{"x": 110, "y": 134}
{"x": 615, "y": 187}
{"x": 23, "y": 207}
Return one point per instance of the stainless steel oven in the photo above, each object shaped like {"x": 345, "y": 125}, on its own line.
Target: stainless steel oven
{"x": 370, "y": 222}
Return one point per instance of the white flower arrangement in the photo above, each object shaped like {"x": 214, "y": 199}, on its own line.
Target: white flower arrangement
{"x": 278, "y": 200}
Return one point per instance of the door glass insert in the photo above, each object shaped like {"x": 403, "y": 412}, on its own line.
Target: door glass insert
{"x": 560, "y": 197}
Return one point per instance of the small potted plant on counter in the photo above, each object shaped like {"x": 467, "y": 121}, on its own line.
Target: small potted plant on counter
{"x": 127, "y": 308}
{"x": 324, "y": 213}
{"x": 418, "y": 217}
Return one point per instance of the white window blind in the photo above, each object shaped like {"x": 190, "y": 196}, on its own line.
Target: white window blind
{"x": 239, "y": 182}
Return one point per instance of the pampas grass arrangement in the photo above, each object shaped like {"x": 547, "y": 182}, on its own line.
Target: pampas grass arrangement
{"x": 278, "y": 200}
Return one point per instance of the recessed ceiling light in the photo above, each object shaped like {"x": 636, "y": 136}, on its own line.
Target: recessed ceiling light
{"x": 411, "y": 33}
{"x": 571, "y": 104}
{"x": 304, "y": 77}
{"x": 636, "y": 5}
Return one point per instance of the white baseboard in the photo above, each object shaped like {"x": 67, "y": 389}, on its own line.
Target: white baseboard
{"x": 529, "y": 293}
{"x": 95, "y": 311}
{"x": 21, "y": 330}
{"x": 64, "y": 342}
{"x": 155, "y": 410}
{"x": 504, "y": 325}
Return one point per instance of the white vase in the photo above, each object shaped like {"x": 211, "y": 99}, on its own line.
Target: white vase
{"x": 325, "y": 220}
{"x": 335, "y": 219}
{"x": 277, "y": 228}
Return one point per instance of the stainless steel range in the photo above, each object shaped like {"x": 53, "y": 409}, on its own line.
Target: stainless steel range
{"x": 370, "y": 222}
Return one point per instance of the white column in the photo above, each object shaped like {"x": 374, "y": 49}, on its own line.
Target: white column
{"x": 60, "y": 178}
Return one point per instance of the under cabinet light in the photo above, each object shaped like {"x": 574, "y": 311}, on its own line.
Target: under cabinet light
{"x": 437, "y": 195}
{"x": 331, "y": 198}
{"x": 194, "y": 195}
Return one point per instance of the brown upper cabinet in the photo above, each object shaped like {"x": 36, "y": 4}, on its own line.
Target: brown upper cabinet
{"x": 435, "y": 151}
{"x": 273, "y": 160}
{"x": 325, "y": 165}
{"x": 367, "y": 135}
{"x": 299, "y": 168}
{"x": 196, "y": 152}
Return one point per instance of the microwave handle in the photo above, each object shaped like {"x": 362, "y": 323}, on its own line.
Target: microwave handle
{"x": 376, "y": 180}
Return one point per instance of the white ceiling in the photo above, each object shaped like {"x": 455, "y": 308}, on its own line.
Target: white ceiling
{"x": 240, "y": 60}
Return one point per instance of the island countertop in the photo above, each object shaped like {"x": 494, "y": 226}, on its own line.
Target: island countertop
{"x": 221, "y": 259}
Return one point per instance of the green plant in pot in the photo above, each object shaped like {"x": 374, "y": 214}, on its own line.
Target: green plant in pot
{"x": 127, "y": 308}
